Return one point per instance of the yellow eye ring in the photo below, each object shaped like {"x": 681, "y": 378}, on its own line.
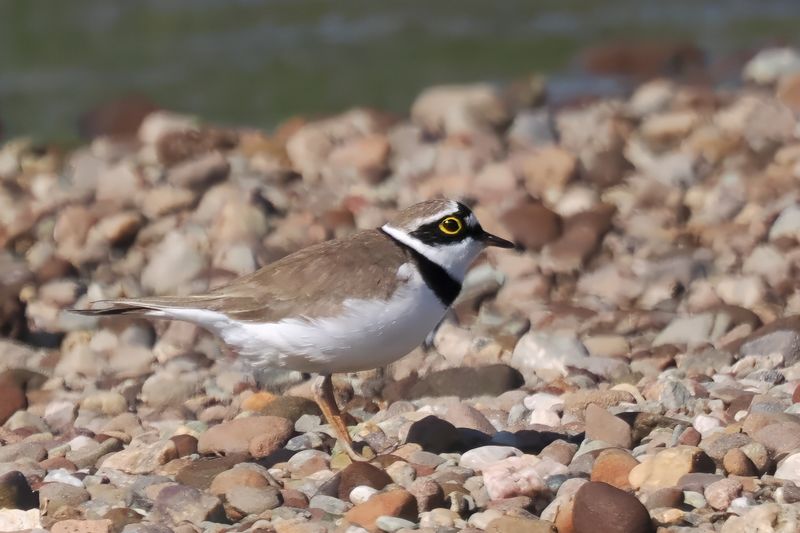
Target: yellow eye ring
{"x": 451, "y": 226}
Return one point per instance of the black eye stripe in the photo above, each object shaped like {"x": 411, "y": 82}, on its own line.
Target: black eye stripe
{"x": 431, "y": 233}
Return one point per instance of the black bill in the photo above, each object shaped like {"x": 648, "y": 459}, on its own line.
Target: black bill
{"x": 494, "y": 240}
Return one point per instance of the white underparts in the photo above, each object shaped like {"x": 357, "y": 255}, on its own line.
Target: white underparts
{"x": 367, "y": 334}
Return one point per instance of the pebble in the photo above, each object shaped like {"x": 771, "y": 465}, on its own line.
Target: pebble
{"x": 329, "y": 504}
{"x": 667, "y": 467}
{"x": 720, "y": 494}
{"x": 789, "y": 469}
{"x": 737, "y": 463}
{"x": 237, "y": 435}
{"x": 613, "y": 466}
{"x": 16, "y": 492}
{"x": 512, "y": 524}
{"x": 359, "y": 474}
{"x": 398, "y": 503}
{"x": 601, "y": 507}
{"x": 479, "y": 458}
{"x": 82, "y": 526}
{"x": 142, "y": 459}
{"x": 178, "y": 503}
{"x": 361, "y": 494}
{"x": 603, "y": 426}
{"x": 519, "y": 476}
{"x": 390, "y": 524}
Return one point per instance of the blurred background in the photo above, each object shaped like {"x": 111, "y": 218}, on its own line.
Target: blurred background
{"x": 257, "y": 62}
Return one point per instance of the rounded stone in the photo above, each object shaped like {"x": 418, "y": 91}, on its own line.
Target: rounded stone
{"x": 361, "y": 474}
{"x": 602, "y": 507}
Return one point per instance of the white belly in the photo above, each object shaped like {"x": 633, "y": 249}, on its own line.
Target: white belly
{"x": 368, "y": 334}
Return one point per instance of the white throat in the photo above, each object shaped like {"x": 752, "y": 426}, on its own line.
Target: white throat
{"x": 454, "y": 258}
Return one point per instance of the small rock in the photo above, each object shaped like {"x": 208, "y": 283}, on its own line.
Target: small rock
{"x": 178, "y": 503}
{"x": 519, "y": 524}
{"x": 184, "y": 444}
{"x": 780, "y": 439}
{"x": 235, "y": 436}
{"x": 142, "y": 459}
{"x": 82, "y": 526}
{"x": 18, "y": 520}
{"x": 463, "y": 382}
{"x": 720, "y": 494}
{"x": 768, "y": 517}
{"x": 398, "y": 503}
{"x": 519, "y": 476}
{"x": 361, "y": 474}
{"x": 329, "y": 504}
{"x": 391, "y": 524}
{"x": 479, "y": 458}
{"x": 12, "y": 396}
{"x": 578, "y": 401}
{"x": 603, "y": 426}
{"x": 532, "y": 225}
{"x": 613, "y": 466}
{"x": 666, "y": 497}
{"x": 363, "y": 158}
{"x": 241, "y": 475}
{"x": 16, "y": 493}
{"x": 200, "y": 172}
{"x": 789, "y": 469}
{"x": 428, "y": 493}
{"x": 771, "y": 64}
{"x": 668, "y": 466}
{"x": 434, "y": 434}
{"x": 687, "y": 330}
{"x": 54, "y": 496}
{"x": 289, "y": 407}
{"x": 601, "y": 507}
{"x": 174, "y": 262}
{"x": 737, "y": 463}
{"x": 462, "y": 415}
{"x": 780, "y": 336}
{"x": 253, "y": 500}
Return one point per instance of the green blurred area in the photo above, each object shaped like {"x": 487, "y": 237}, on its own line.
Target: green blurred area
{"x": 257, "y": 62}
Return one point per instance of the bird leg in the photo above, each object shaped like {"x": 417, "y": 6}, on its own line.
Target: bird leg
{"x": 323, "y": 394}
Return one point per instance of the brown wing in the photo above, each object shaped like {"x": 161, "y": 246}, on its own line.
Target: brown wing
{"x": 312, "y": 282}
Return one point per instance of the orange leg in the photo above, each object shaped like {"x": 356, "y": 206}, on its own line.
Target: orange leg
{"x": 323, "y": 394}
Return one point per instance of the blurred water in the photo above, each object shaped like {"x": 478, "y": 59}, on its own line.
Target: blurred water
{"x": 259, "y": 61}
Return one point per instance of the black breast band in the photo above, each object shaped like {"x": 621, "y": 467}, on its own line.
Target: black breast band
{"x": 440, "y": 282}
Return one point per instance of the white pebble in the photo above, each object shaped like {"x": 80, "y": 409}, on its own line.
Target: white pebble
{"x": 361, "y": 494}
{"x": 61, "y": 475}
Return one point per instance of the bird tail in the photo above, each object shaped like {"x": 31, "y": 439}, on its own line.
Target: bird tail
{"x": 152, "y": 306}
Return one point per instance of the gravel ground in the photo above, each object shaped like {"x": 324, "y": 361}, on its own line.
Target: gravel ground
{"x": 633, "y": 367}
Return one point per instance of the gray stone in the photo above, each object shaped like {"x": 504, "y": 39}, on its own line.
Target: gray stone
{"x": 179, "y": 503}
{"x": 329, "y": 504}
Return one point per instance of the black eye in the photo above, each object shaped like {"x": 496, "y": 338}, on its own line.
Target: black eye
{"x": 451, "y": 226}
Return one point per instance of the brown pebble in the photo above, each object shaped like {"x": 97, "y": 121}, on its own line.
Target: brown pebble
{"x": 519, "y": 524}
{"x": 666, "y": 497}
{"x": 613, "y": 466}
{"x": 690, "y": 437}
{"x": 601, "y": 507}
{"x": 396, "y": 502}
{"x": 12, "y": 396}
{"x": 294, "y": 498}
{"x": 360, "y": 473}
{"x": 184, "y": 444}
{"x": 738, "y": 464}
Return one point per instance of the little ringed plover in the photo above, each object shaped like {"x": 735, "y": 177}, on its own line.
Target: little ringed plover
{"x": 344, "y": 305}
